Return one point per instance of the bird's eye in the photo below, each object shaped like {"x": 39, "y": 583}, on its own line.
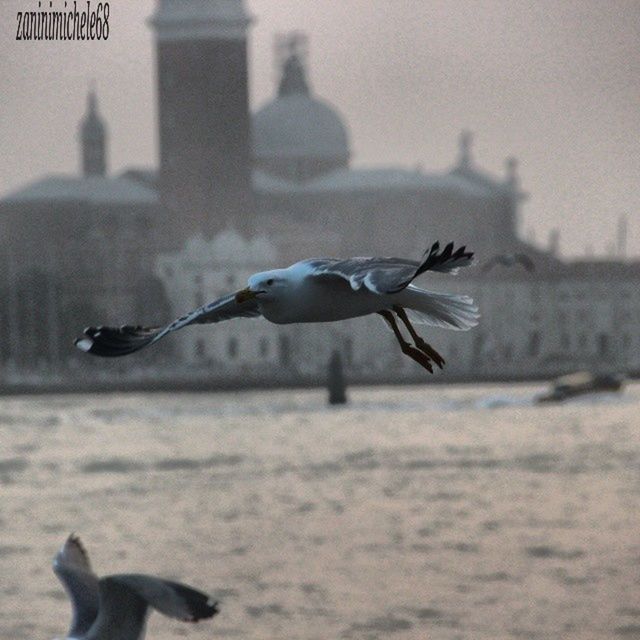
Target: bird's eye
{"x": 269, "y": 282}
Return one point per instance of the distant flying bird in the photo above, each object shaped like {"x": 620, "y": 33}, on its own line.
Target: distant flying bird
{"x": 116, "y": 607}
{"x": 509, "y": 260}
{"x": 324, "y": 290}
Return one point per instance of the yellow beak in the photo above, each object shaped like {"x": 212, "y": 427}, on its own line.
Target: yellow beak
{"x": 244, "y": 295}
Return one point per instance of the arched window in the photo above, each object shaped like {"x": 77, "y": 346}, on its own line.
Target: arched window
{"x": 603, "y": 344}
{"x": 478, "y": 345}
{"x": 534, "y": 343}
{"x": 232, "y": 348}
{"x": 582, "y": 342}
{"x": 200, "y": 349}
{"x": 348, "y": 351}
{"x": 285, "y": 350}
{"x": 198, "y": 293}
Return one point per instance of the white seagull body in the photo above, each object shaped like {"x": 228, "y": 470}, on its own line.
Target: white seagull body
{"x": 116, "y": 607}
{"x": 324, "y": 290}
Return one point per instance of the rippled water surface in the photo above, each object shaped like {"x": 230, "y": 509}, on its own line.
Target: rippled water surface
{"x": 439, "y": 512}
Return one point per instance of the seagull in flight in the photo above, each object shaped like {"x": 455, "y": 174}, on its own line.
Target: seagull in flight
{"x": 509, "y": 260}
{"x": 325, "y": 290}
{"x": 116, "y": 607}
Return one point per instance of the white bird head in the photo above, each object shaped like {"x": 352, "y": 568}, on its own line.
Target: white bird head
{"x": 264, "y": 285}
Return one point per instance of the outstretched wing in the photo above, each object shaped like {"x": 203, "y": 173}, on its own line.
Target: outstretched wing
{"x": 391, "y": 275}
{"x": 120, "y": 341}
{"x": 125, "y": 600}
{"x": 170, "y": 598}
{"x": 71, "y": 566}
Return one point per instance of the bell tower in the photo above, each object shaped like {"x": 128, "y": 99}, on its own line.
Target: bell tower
{"x": 93, "y": 140}
{"x": 204, "y": 122}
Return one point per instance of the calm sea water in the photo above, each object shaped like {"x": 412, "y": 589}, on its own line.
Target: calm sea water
{"x": 441, "y": 512}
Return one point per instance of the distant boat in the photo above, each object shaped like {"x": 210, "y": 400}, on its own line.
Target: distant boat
{"x": 581, "y": 383}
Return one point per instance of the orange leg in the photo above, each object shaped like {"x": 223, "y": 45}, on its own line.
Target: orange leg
{"x": 415, "y": 354}
{"x": 425, "y": 347}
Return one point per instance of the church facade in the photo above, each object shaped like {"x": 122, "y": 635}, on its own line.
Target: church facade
{"x": 238, "y": 192}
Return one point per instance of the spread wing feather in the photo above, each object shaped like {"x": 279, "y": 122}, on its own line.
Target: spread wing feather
{"x": 71, "y": 566}
{"x": 120, "y": 341}
{"x": 391, "y": 275}
{"x": 170, "y": 598}
{"x": 125, "y": 600}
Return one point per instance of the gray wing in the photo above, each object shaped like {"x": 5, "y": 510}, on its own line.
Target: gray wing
{"x": 122, "y": 614}
{"x": 390, "y": 275}
{"x": 125, "y": 600}
{"x": 120, "y": 341}
{"x": 71, "y": 566}
{"x": 170, "y": 598}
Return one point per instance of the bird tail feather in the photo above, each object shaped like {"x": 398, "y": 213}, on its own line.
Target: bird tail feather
{"x": 446, "y": 310}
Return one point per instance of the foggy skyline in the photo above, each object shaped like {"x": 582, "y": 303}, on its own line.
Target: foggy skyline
{"x": 556, "y": 86}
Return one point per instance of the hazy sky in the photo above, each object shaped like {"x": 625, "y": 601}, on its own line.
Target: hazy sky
{"x": 557, "y": 84}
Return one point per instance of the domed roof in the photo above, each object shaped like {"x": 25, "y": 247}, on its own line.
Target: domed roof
{"x": 296, "y": 125}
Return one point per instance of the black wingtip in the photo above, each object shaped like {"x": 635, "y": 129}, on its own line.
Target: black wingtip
{"x": 447, "y": 261}
{"x": 111, "y": 342}
{"x": 203, "y": 610}
{"x": 199, "y": 604}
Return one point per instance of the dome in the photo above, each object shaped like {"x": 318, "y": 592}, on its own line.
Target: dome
{"x": 297, "y": 135}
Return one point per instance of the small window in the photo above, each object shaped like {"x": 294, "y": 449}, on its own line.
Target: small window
{"x": 285, "y": 350}
{"x": 264, "y": 347}
{"x": 603, "y": 344}
{"x": 232, "y": 348}
{"x": 535, "y": 294}
{"x": 143, "y": 223}
{"x": 200, "y": 349}
{"x": 348, "y": 351}
{"x": 478, "y": 345}
{"x": 534, "y": 343}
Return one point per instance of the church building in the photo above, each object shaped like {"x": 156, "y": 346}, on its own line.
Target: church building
{"x": 273, "y": 187}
